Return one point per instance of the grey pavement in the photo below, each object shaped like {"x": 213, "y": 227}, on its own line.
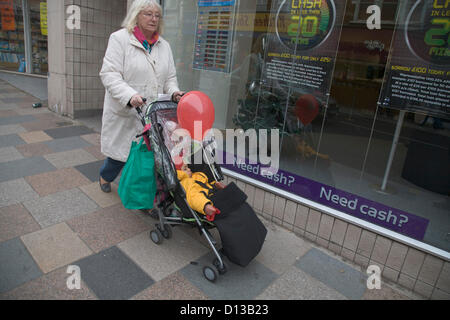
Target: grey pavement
{"x": 53, "y": 216}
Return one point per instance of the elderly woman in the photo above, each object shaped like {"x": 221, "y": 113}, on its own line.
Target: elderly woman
{"x": 138, "y": 64}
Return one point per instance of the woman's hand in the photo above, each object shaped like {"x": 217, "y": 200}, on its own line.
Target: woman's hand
{"x": 136, "y": 101}
{"x": 176, "y": 96}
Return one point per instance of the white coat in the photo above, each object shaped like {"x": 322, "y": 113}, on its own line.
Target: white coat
{"x": 129, "y": 69}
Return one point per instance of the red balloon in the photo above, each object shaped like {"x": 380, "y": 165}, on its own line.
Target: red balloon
{"x": 307, "y": 108}
{"x": 195, "y": 109}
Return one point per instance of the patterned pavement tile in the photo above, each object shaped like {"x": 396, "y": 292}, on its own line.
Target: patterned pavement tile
{"x": 333, "y": 273}
{"x": 237, "y": 284}
{"x": 103, "y": 199}
{"x": 385, "y": 293}
{"x": 51, "y": 286}
{"x": 281, "y": 248}
{"x": 70, "y": 158}
{"x": 9, "y": 154}
{"x": 34, "y": 150}
{"x": 56, "y": 181}
{"x": 10, "y": 140}
{"x": 16, "y": 221}
{"x": 39, "y": 125}
{"x": 70, "y": 131}
{"x": 55, "y": 246}
{"x": 295, "y": 284}
{"x": 24, "y": 167}
{"x": 35, "y": 136}
{"x": 92, "y": 138}
{"x": 95, "y": 151}
{"x": 159, "y": 261}
{"x": 107, "y": 227}
{"x": 16, "y": 191}
{"x": 66, "y": 144}
{"x": 111, "y": 275}
{"x": 16, "y": 119}
{"x": 59, "y": 207}
{"x": 17, "y": 266}
{"x": 91, "y": 170}
{"x": 8, "y": 113}
{"x": 173, "y": 287}
{"x": 11, "y": 129}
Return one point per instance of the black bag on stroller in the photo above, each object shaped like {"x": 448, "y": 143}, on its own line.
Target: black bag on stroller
{"x": 241, "y": 232}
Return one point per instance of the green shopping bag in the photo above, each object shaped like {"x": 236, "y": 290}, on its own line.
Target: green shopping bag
{"x": 137, "y": 186}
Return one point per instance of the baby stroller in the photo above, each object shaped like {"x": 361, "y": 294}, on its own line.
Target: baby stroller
{"x": 171, "y": 204}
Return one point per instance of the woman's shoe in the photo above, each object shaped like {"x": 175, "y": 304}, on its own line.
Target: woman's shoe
{"x": 106, "y": 187}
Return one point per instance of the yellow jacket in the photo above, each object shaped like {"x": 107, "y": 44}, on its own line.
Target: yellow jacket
{"x": 195, "y": 193}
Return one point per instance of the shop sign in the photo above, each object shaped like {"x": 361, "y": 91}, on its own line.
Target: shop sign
{"x": 302, "y": 50}
{"x": 379, "y": 214}
{"x": 7, "y": 15}
{"x": 417, "y": 75}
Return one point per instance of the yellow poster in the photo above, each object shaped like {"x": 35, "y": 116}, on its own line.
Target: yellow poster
{"x": 7, "y": 15}
{"x": 44, "y": 18}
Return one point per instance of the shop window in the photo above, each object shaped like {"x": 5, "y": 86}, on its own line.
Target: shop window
{"x": 12, "y": 49}
{"x": 334, "y": 147}
{"x": 38, "y": 23}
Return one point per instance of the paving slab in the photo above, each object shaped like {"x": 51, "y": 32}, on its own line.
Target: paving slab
{"x": 70, "y": 131}
{"x": 281, "y": 248}
{"x": 96, "y": 152}
{"x": 92, "y": 138}
{"x": 173, "y": 287}
{"x": 51, "y": 286}
{"x": 34, "y": 150}
{"x": 107, "y": 227}
{"x": 16, "y": 221}
{"x": 10, "y": 140}
{"x": 295, "y": 284}
{"x": 91, "y": 170}
{"x": 111, "y": 275}
{"x": 9, "y": 154}
{"x": 11, "y": 129}
{"x": 59, "y": 207}
{"x": 66, "y": 144}
{"x": 8, "y": 113}
{"x": 16, "y": 191}
{"x": 40, "y": 125}
{"x": 70, "y": 158}
{"x": 103, "y": 199}
{"x": 24, "y": 167}
{"x": 237, "y": 284}
{"x": 17, "y": 266}
{"x": 55, "y": 246}
{"x": 56, "y": 181}
{"x": 334, "y": 273}
{"x": 16, "y": 119}
{"x": 384, "y": 293}
{"x": 159, "y": 261}
{"x": 35, "y": 136}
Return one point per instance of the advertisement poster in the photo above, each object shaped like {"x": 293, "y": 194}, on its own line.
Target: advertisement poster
{"x": 417, "y": 75}
{"x": 390, "y": 218}
{"x": 43, "y": 7}
{"x": 7, "y": 15}
{"x": 303, "y": 44}
{"x": 214, "y": 35}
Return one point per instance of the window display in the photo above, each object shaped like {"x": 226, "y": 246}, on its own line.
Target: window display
{"x": 12, "y": 49}
{"x": 335, "y": 136}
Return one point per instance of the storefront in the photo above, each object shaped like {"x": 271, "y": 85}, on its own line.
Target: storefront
{"x": 333, "y": 77}
{"x": 23, "y": 36}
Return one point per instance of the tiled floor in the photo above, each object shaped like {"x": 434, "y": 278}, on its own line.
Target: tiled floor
{"x": 53, "y": 215}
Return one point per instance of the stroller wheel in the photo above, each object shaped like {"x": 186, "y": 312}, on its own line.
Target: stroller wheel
{"x": 166, "y": 232}
{"x": 155, "y": 235}
{"x": 216, "y": 264}
{"x": 209, "y": 274}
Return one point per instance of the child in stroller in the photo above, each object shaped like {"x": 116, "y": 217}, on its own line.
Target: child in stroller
{"x": 241, "y": 232}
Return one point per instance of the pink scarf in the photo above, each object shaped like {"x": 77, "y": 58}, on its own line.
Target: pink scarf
{"x": 141, "y": 38}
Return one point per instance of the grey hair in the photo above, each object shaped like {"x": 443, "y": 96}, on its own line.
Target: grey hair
{"x": 136, "y": 7}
